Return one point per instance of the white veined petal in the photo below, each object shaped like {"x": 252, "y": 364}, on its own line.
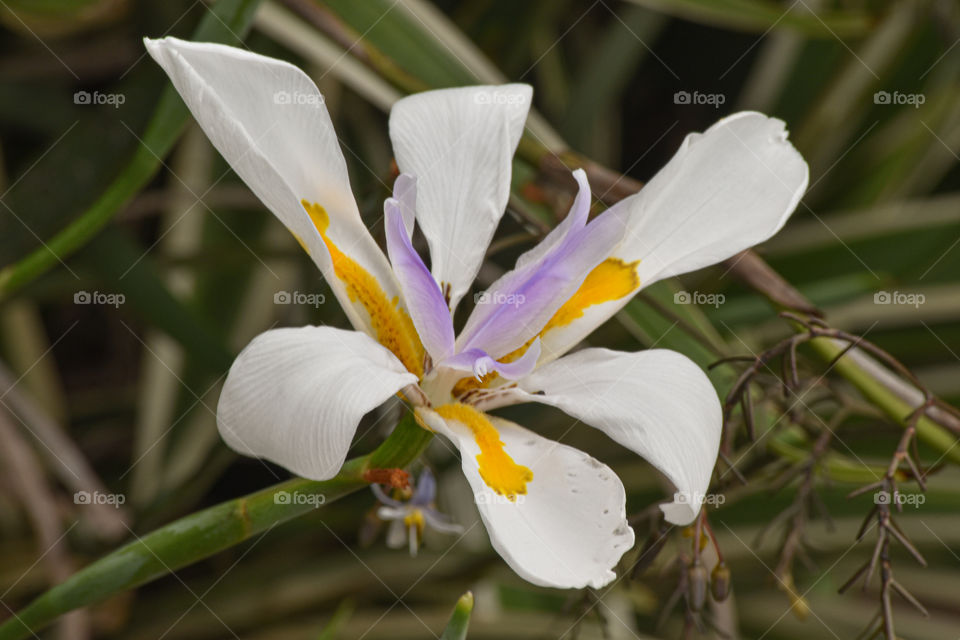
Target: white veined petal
{"x": 296, "y": 396}
{"x": 459, "y": 144}
{"x": 657, "y": 403}
{"x": 569, "y": 529}
{"x": 269, "y": 122}
{"x": 724, "y": 191}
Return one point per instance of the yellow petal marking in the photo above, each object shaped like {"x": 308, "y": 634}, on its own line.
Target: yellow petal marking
{"x": 415, "y": 519}
{"x": 497, "y": 468}
{"x": 390, "y": 322}
{"x": 612, "y": 279}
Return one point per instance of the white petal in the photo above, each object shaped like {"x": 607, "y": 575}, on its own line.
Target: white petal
{"x": 570, "y": 529}
{"x": 295, "y": 396}
{"x": 269, "y": 122}
{"x": 657, "y": 403}
{"x": 459, "y": 144}
{"x": 391, "y": 513}
{"x": 724, "y": 191}
{"x": 397, "y": 534}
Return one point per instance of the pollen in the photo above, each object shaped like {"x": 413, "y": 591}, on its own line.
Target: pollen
{"x": 610, "y": 280}
{"x": 497, "y": 468}
{"x": 390, "y": 322}
{"x": 415, "y": 519}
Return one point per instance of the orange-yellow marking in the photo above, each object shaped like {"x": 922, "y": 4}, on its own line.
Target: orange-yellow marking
{"x": 390, "y": 322}
{"x": 497, "y": 468}
{"x": 415, "y": 519}
{"x": 612, "y": 279}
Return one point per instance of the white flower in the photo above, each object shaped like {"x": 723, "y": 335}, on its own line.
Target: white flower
{"x": 409, "y": 518}
{"x": 295, "y": 396}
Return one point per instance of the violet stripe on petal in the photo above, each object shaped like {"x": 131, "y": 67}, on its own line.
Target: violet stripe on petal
{"x": 519, "y": 305}
{"x": 425, "y": 301}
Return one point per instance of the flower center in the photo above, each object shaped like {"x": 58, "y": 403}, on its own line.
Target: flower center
{"x": 414, "y": 519}
{"x": 390, "y": 322}
{"x": 497, "y": 468}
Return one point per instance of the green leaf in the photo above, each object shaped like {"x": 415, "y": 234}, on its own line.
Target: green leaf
{"x": 460, "y": 620}
{"x": 207, "y": 532}
{"x": 759, "y": 16}
{"x": 226, "y": 22}
{"x": 121, "y": 266}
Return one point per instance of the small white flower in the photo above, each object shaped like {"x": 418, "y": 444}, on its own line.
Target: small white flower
{"x": 295, "y": 396}
{"x": 408, "y": 519}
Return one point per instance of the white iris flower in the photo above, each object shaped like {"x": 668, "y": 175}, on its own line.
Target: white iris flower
{"x": 296, "y": 396}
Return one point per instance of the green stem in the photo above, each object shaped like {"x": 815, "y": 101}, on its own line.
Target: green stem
{"x": 226, "y": 22}
{"x": 204, "y": 533}
{"x": 791, "y": 444}
{"x": 884, "y": 399}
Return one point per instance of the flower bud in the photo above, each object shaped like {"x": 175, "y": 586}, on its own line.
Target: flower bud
{"x": 696, "y": 586}
{"x": 720, "y": 582}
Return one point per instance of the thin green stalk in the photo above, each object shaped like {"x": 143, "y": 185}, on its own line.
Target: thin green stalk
{"x": 204, "y": 533}
{"x": 226, "y": 22}
{"x": 884, "y": 399}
